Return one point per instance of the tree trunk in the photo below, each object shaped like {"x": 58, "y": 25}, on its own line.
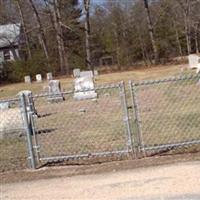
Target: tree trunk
{"x": 151, "y": 31}
{"x": 142, "y": 46}
{"x": 63, "y": 60}
{"x": 24, "y": 29}
{"x": 41, "y": 30}
{"x": 87, "y": 34}
{"x": 187, "y": 26}
{"x": 178, "y": 40}
{"x": 196, "y": 39}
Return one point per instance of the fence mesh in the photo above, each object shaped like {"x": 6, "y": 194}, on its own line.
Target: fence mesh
{"x": 13, "y": 149}
{"x": 160, "y": 115}
{"x": 168, "y": 112}
{"x": 75, "y": 128}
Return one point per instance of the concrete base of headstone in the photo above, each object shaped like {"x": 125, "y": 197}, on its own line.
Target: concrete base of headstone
{"x": 85, "y": 95}
{"x": 55, "y": 99}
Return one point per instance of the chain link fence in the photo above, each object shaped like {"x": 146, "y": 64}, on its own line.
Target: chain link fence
{"x": 71, "y": 129}
{"x": 149, "y": 116}
{"x": 13, "y": 149}
{"x": 167, "y": 113}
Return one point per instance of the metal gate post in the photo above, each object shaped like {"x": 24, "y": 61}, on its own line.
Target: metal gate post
{"x": 126, "y": 117}
{"x": 28, "y": 130}
{"x": 140, "y": 140}
{"x": 32, "y": 116}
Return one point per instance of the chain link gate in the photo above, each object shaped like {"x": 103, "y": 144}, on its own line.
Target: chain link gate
{"x": 167, "y": 113}
{"x": 72, "y": 129}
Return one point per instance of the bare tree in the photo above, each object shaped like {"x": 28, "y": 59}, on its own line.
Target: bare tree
{"x": 87, "y": 33}
{"x": 63, "y": 59}
{"x": 185, "y": 6}
{"x": 151, "y": 31}
{"x": 41, "y": 29}
{"x": 18, "y": 2}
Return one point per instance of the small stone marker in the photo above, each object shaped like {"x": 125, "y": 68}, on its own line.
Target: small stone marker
{"x": 27, "y": 79}
{"x": 86, "y": 74}
{"x": 4, "y": 105}
{"x": 194, "y": 60}
{"x": 55, "y": 93}
{"x": 84, "y": 88}
{"x": 49, "y": 76}
{"x": 96, "y": 73}
{"x": 39, "y": 78}
{"x": 76, "y": 72}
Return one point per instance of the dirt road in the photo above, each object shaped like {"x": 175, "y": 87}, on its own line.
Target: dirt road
{"x": 169, "y": 182}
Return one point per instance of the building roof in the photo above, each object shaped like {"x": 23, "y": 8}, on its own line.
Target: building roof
{"x": 9, "y": 34}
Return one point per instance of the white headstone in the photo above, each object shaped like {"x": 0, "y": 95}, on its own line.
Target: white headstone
{"x": 27, "y": 79}
{"x": 86, "y": 74}
{"x": 49, "y": 76}
{"x": 55, "y": 93}
{"x": 84, "y": 88}
{"x": 96, "y": 73}
{"x": 39, "y": 78}
{"x": 76, "y": 72}
{"x": 194, "y": 60}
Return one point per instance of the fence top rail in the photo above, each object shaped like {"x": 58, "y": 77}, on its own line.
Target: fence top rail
{"x": 46, "y": 94}
{"x": 99, "y": 87}
{"x": 166, "y": 80}
{"x": 11, "y": 100}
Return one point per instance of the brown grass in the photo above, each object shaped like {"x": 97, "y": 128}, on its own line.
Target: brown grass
{"x": 11, "y": 90}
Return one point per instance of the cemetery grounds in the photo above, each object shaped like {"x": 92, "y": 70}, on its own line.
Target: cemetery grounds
{"x": 78, "y": 127}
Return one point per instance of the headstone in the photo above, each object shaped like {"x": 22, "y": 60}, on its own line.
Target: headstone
{"x": 39, "y": 78}
{"x": 4, "y": 105}
{"x": 49, "y": 76}
{"x": 84, "y": 88}
{"x": 76, "y": 73}
{"x": 55, "y": 93}
{"x": 27, "y": 79}
{"x": 194, "y": 60}
{"x": 86, "y": 74}
{"x": 96, "y": 73}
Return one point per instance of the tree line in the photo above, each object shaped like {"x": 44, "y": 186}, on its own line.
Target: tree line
{"x": 60, "y": 35}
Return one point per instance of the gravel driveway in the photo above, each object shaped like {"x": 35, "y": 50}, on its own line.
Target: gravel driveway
{"x": 169, "y": 182}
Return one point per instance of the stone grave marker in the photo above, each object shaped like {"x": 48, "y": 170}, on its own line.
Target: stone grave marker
{"x": 55, "y": 93}
{"x": 194, "y": 60}
{"x": 76, "y": 72}
{"x": 84, "y": 88}
{"x": 49, "y": 76}
{"x": 39, "y": 78}
{"x": 96, "y": 73}
{"x": 86, "y": 74}
{"x": 27, "y": 79}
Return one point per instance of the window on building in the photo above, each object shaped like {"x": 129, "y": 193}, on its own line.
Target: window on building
{"x": 6, "y": 54}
